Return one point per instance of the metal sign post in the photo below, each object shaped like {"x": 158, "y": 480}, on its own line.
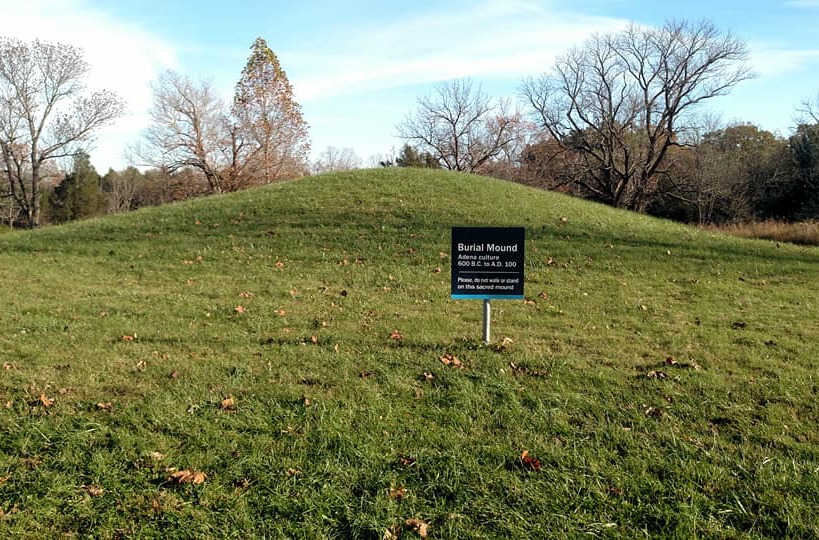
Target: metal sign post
{"x": 487, "y": 264}
{"x": 487, "y": 320}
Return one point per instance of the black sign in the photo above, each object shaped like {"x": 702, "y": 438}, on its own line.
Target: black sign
{"x": 487, "y": 263}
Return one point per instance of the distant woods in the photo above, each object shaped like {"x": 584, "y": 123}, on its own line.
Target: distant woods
{"x": 622, "y": 119}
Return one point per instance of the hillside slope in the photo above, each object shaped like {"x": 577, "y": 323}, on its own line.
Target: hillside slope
{"x": 287, "y": 341}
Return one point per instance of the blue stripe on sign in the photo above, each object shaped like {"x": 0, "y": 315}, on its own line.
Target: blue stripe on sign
{"x": 486, "y": 297}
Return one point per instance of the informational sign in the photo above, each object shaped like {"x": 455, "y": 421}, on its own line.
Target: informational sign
{"x": 487, "y": 263}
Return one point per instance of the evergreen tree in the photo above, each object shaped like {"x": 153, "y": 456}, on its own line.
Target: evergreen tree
{"x": 78, "y": 195}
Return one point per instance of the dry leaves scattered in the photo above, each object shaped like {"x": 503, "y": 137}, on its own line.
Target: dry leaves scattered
{"x": 188, "y": 476}
{"x": 396, "y": 335}
{"x": 93, "y": 490}
{"x": 105, "y": 406}
{"x": 450, "y": 359}
{"x": 396, "y": 493}
{"x": 45, "y": 401}
{"x": 528, "y": 462}
{"x": 523, "y": 370}
{"x": 240, "y": 309}
{"x": 228, "y": 404}
{"x": 420, "y": 527}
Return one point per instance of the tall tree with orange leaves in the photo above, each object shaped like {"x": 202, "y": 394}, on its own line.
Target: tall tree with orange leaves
{"x": 270, "y": 131}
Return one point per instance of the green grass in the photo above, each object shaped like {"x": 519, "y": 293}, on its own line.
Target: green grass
{"x": 330, "y": 413}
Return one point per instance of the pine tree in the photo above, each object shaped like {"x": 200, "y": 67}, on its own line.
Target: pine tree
{"x": 270, "y": 127}
{"x": 78, "y": 195}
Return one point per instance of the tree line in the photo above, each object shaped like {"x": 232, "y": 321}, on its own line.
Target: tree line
{"x": 619, "y": 120}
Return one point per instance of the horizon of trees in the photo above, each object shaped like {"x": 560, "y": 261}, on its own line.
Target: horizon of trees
{"x": 619, "y": 120}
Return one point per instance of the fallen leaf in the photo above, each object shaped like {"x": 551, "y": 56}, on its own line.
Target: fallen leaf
{"x": 9, "y": 404}
{"x": 654, "y": 412}
{"x": 106, "y": 406}
{"x": 7, "y": 366}
{"x": 366, "y": 374}
{"x": 656, "y": 374}
{"x": 239, "y": 309}
{"x": 45, "y": 401}
{"x": 406, "y": 461}
{"x": 419, "y": 526}
{"x": 93, "y": 490}
{"x": 246, "y": 295}
{"x": 228, "y": 404}
{"x": 307, "y": 402}
{"x": 279, "y": 265}
{"x": 529, "y": 462}
{"x": 529, "y": 303}
{"x": 281, "y": 313}
{"x": 188, "y": 476}
{"x": 156, "y": 456}
{"x": 393, "y": 532}
{"x": 436, "y": 270}
{"x": 173, "y": 374}
{"x": 543, "y": 296}
{"x": 427, "y": 376}
{"x": 449, "y": 359}
{"x": 292, "y": 472}
{"x": 129, "y": 338}
{"x": 527, "y": 371}
{"x": 396, "y": 493}
{"x": 142, "y": 365}
{"x": 396, "y": 335}
{"x": 670, "y": 361}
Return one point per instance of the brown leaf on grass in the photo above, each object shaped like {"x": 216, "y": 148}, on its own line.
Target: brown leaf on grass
{"x": 543, "y": 296}
{"x": 406, "y": 461}
{"x": 7, "y": 366}
{"x": 393, "y": 532}
{"x": 523, "y": 370}
{"x": 173, "y": 374}
{"x": 142, "y": 365}
{"x": 366, "y": 374}
{"x": 279, "y": 265}
{"x": 529, "y": 303}
{"x": 656, "y": 374}
{"x": 9, "y": 404}
{"x": 396, "y": 493}
{"x": 105, "y": 406}
{"x": 528, "y": 462}
{"x": 228, "y": 404}
{"x": 436, "y": 270}
{"x": 239, "y": 309}
{"x": 156, "y": 456}
{"x": 420, "y": 527}
{"x": 426, "y": 376}
{"x": 670, "y": 361}
{"x": 653, "y": 412}
{"x": 45, "y": 401}
{"x": 291, "y": 472}
{"x": 396, "y": 335}
{"x": 281, "y": 312}
{"x": 450, "y": 359}
{"x": 93, "y": 490}
{"x": 188, "y": 476}
{"x": 246, "y": 295}
{"x": 129, "y": 338}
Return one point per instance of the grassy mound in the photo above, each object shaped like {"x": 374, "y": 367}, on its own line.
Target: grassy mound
{"x": 268, "y": 364}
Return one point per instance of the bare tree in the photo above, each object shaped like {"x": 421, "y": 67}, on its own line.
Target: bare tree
{"x": 460, "y": 126}
{"x": 44, "y": 115}
{"x": 622, "y": 100}
{"x": 334, "y": 159}
{"x": 809, "y": 111}
{"x": 189, "y": 130}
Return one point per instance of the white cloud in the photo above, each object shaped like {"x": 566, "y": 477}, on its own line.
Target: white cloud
{"x": 490, "y": 39}
{"x": 122, "y": 57}
{"x": 771, "y": 60}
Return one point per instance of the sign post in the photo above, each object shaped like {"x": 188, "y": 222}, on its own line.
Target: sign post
{"x": 487, "y": 264}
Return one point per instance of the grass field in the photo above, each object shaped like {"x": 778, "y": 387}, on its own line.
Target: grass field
{"x": 229, "y": 368}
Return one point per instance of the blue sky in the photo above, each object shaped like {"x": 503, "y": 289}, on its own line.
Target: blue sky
{"x": 357, "y": 67}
